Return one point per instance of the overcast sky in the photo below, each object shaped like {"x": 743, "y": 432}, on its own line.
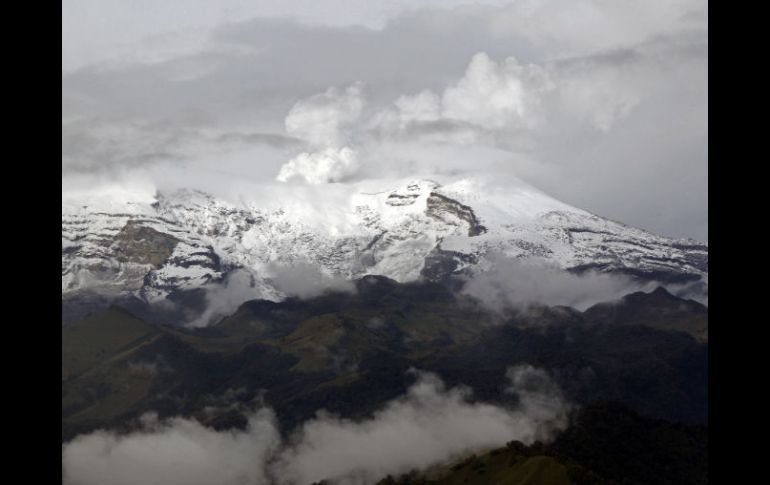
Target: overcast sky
{"x": 602, "y": 104}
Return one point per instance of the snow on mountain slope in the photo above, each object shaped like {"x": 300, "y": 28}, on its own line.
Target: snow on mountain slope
{"x": 152, "y": 247}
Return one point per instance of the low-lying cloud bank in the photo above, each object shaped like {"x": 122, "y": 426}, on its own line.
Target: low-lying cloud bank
{"x": 303, "y": 280}
{"x": 428, "y": 425}
{"x": 222, "y": 299}
{"x": 502, "y": 284}
{"x": 511, "y": 283}
{"x": 177, "y": 451}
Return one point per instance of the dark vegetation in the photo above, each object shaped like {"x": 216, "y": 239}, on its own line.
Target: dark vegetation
{"x": 606, "y": 445}
{"x": 349, "y": 354}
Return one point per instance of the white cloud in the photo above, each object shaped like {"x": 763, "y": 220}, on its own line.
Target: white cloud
{"x": 175, "y": 452}
{"x": 95, "y": 31}
{"x": 423, "y": 106}
{"x": 577, "y": 27}
{"x": 321, "y": 167}
{"x": 305, "y": 280}
{"x": 427, "y": 426}
{"x": 271, "y": 282}
{"x": 430, "y": 424}
{"x": 325, "y": 119}
{"x": 507, "y": 97}
{"x": 490, "y": 96}
{"x": 224, "y": 298}
{"x": 496, "y": 95}
{"x": 511, "y": 283}
{"x": 539, "y": 397}
{"x": 492, "y": 102}
{"x": 598, "y": 94}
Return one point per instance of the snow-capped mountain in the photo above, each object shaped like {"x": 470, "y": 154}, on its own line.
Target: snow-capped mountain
{"x": 153, "y": 247}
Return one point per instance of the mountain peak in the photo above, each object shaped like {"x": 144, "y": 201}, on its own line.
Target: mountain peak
{"x": 412, "y": 229}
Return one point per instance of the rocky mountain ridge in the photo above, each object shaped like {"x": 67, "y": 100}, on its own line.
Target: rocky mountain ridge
{"x": 186, "y": 240}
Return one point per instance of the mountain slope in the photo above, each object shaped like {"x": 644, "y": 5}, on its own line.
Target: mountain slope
{"x": 154, "y": 248}
{"x": 350, "y": 353}
{"x": 657, "y": 309}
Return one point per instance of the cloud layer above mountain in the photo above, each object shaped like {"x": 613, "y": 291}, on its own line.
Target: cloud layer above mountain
{"x": 428, "y": 425}
{"x": 600, "y": 104}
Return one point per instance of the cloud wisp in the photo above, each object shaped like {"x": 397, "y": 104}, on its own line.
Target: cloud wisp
{"x": 272, "y": 282}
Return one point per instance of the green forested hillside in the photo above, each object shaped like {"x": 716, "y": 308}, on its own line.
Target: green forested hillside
{"x": 350, "y": 354}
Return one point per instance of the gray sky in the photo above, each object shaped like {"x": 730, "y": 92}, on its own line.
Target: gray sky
{"x": 602, "y": 104}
